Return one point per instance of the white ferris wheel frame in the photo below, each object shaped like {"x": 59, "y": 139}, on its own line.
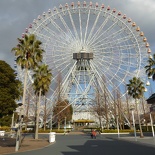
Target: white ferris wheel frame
{"x": 57, "y": 37}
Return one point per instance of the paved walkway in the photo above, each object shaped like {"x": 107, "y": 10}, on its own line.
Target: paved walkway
{"x": 82, "y": 144}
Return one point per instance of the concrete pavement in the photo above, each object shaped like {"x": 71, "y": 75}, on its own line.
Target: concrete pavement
{"x": 148, "y": 141}
{"x": 104, "y": 144}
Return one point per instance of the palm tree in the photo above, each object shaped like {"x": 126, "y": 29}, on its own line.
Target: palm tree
{"x": 28, "y": 54}
{"x": 136, "y": 90}
{"x": 42, "y": 80}
{"x": 150, "y": 68}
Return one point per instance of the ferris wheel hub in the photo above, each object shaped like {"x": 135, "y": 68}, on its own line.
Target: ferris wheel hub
{"x": 82, "y": 56}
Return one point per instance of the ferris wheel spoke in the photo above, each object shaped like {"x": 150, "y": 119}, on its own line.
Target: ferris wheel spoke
{"x": 59, "y": 29}
{"x": 99, "y": 31}
{"x": 118, "y": 47}
{"x": 49, "y": 30}
{"x": 107, "y": 70}
{"x": 66, "y": 27}
{"x": 119, "y": 40}
{"x": 80, "y": 23}
{"x": 93, "y": 27}
{"x": 61, "y": 52}
{"x": 73, "y": 25}
{"x": 115, "y": 62}
{"x": 48, "y": 38}
{"x": 51, "y": 33}
{"x": 70, "y": 74}
{"x": 107, "y": 37}
{"x": 43, "y": 37}
{"x": 57, "y": 47}
{"x": 105, "y": 33}
{"x": 56, "y": 60}
{"x": 58, "y": 50}
{"x": 112, "y": 44}
{"x": 100, "y": 80}
{"x": 110, "y": 73}
{"x": 85, "y": 36}
{"x": 60, "y": 62}
{"x": 60, "y": 47}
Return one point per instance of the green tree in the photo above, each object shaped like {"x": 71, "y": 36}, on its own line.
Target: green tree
{"x": 150, "y": 68}
{"x": 28, "y": 54}
{"x": 136, "y": 90}
{"x": 42, "y": 80}
{"x": 62, "y": 110}
{"x": 9, "y": 92}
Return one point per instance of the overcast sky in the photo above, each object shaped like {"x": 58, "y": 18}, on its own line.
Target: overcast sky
{"x": 16, "y": 15}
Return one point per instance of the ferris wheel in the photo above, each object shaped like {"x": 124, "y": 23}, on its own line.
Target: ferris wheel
{"x": 89, "y": 45}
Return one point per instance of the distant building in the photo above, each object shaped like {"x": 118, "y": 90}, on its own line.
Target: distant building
{"x": 151, "y": 100}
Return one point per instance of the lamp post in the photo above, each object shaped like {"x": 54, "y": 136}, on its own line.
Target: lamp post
{"x": 18, "y": 137}
{"x": 132, "y": 111}
{"x": 117, "y": 127}
{"x": 152, "y": 124}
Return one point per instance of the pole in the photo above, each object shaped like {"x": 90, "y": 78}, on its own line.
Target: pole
{"x": 12, "y": 122}
{"x": 51, "y": 124}
{"x": 17, "y": 141}
{"x": 134, "y": 125}
{"x": 18, "y": 137}
{"x": 152, "y": 124}
{"x": 37, "y": 115}
{"x": 18, "y": 133}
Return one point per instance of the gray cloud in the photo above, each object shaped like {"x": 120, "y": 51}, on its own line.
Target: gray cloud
{"x": 15, "y": 16}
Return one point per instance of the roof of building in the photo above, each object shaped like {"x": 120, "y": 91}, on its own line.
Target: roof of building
{"x": 151, "y": 98}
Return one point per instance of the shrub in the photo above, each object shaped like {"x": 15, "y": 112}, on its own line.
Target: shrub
{"x": 5, "y": 128}
{"x": 115, "y": 131}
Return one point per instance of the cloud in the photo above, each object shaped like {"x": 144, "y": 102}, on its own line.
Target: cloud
{"x": 15, "y": 16}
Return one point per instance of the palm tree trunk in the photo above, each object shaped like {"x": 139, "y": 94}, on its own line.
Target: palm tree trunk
{"x": 140, "y": 127}
{"x": 45, "y": 114}
{"x": 37, "y": 118}
{"x": 27, "y": 112}
{"x": 128, "y": 111}
{"x": 145, "y": 115}
{"x": 25, "y": 82}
